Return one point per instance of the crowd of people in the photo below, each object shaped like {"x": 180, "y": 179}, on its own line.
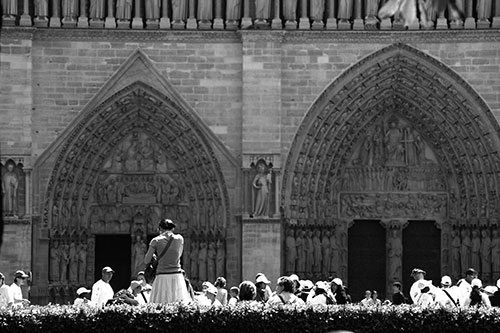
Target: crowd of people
{"x": 171, "y": 285}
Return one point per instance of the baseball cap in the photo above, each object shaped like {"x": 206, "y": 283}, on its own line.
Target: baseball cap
{"x": 416, "y": 271}
{"x": 338, "y": 282}
{"x": 134, "y": 284}
{"x": 210, "y": 288}
{"x": 82, "y": 290}
{"x": 446, "y": 280}
{"x": 20, "y": 274}
{"x": 107, "y": 269}
{"x": 471, "y": 271}
{"x": 262, "y": 278}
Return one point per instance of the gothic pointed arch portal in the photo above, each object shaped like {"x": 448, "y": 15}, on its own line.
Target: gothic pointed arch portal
{"x": 135, "y": 158}
{"x": 398, "y": 137}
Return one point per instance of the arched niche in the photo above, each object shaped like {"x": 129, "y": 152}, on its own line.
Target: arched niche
{"x": 399, "y": 136}
{"x": 427, "y": 100}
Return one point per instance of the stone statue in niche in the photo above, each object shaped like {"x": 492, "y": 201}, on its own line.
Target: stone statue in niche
{"x": 202, "y": 261}
{"x": 465, "y": 248}
{"x": 233, "y": 10}
{"x": 317, "y": 253}
{"x": 9, "y": 8}
{"x": 193, "y": 259}
{"x": 147, "y": 153}
{"x": 205, "y": 11}
{"x": 262, "y": 11}
{"x": 476, "y": 249}
{"x": 211, "y": 261}
{"x": 309, "y": 249}
{"x": 55, "y": 259}
{"x": 10, "y": 188}
{"x": 290, "y": 11}
{"x": 64, "y": 262}
{"x": 123, "y": 10}
{"x": 485, "y": 254}
{"x": 138, "y": 252}
{"x": 301, "y": 253}
{"x": 132, "y": 156}
{"x": 395, "y": 255}
{"x": 335, "y": 254}
{"x": 70, "y": 10}
{"x": 261, "y": 184}
{"x": 455, "y": 253}
{"x": 325, "y": 251}
{"x": 317, "y": 10}
{"x": 221, "y": 258}
{"x": 96, "y": 9}
{"x": 82, "y": 263}
{"x": 73, "y": 263}
{"x": 394, "y": 147}
{"x": 290, "y": 251}
{"x": 152, "y": 9}
{"x": 41, "y": 9}
{"x": 495, "y": 253}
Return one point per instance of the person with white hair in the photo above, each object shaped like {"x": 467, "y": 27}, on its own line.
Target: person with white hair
{"x": 477, "y": 297}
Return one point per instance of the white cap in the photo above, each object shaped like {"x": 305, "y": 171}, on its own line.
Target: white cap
{"x": 210, "y": 288}
{"x": 338, "y": 282}
{"x": 262, "y": 278}
{"x": 82, "y": 290}
{"x": 446, "y": 280}
{"x": 424, "y": 283}
{"x": 498, "y": 283}
{"x": 476, "y": 283}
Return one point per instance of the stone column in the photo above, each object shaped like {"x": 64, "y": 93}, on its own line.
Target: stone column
{"x": 25, "y": 20}
{"x": 83, "y": 20}
{"x": 276, "y": 22}
{"x": 358, "y": 20}
{"x": 218, "y": 21}
{"x": 331, "y": 22}
{"x": 28, "y": 210}
{"x": 470, "y": 22}
{"x": 164, "y": 20}
{"x": 137, "y": 22}
{"x": 246, "y": 21}
{"x": 55, "y": 19}
{"x": 304, "y": 23}
{"x": 191, "y": 22}
{"x": 110, "y": 22}
{"x": 341, "y": 230}
{"x": 394, "y": 251}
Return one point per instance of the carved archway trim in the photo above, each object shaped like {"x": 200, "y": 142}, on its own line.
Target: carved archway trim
{"x": 137, "y": 107}
{"x": 402, "y": 81}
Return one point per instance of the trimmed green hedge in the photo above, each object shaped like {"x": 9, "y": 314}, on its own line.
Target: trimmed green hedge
{"x": 191, "y": 318}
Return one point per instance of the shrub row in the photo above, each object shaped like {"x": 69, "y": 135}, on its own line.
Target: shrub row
{"x": 246, "y": 318}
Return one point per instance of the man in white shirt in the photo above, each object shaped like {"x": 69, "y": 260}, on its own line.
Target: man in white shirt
{"x": 417, "y": 274}
{"x": 15, "y": 289}
{"x": 5, "y": 294}
{"x": 102, "y": 290}
{"x": 464, "y": 285}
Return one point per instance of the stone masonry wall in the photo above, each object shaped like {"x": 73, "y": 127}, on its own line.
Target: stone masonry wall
{"x": 251, "y": 88}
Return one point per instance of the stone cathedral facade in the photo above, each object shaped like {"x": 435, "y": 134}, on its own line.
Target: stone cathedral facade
{"x": 283, "y": 137}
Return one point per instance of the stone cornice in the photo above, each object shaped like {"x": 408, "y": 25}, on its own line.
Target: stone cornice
{"x": 284, "y": 36}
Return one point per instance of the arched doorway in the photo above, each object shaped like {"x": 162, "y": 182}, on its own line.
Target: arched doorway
{"x": 135, "y": 158}
{"x": 397, "y": 137}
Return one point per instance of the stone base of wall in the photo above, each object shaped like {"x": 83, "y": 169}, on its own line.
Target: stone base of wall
{"x": 16, "y": 249}
{"x": 261, "y": 248}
